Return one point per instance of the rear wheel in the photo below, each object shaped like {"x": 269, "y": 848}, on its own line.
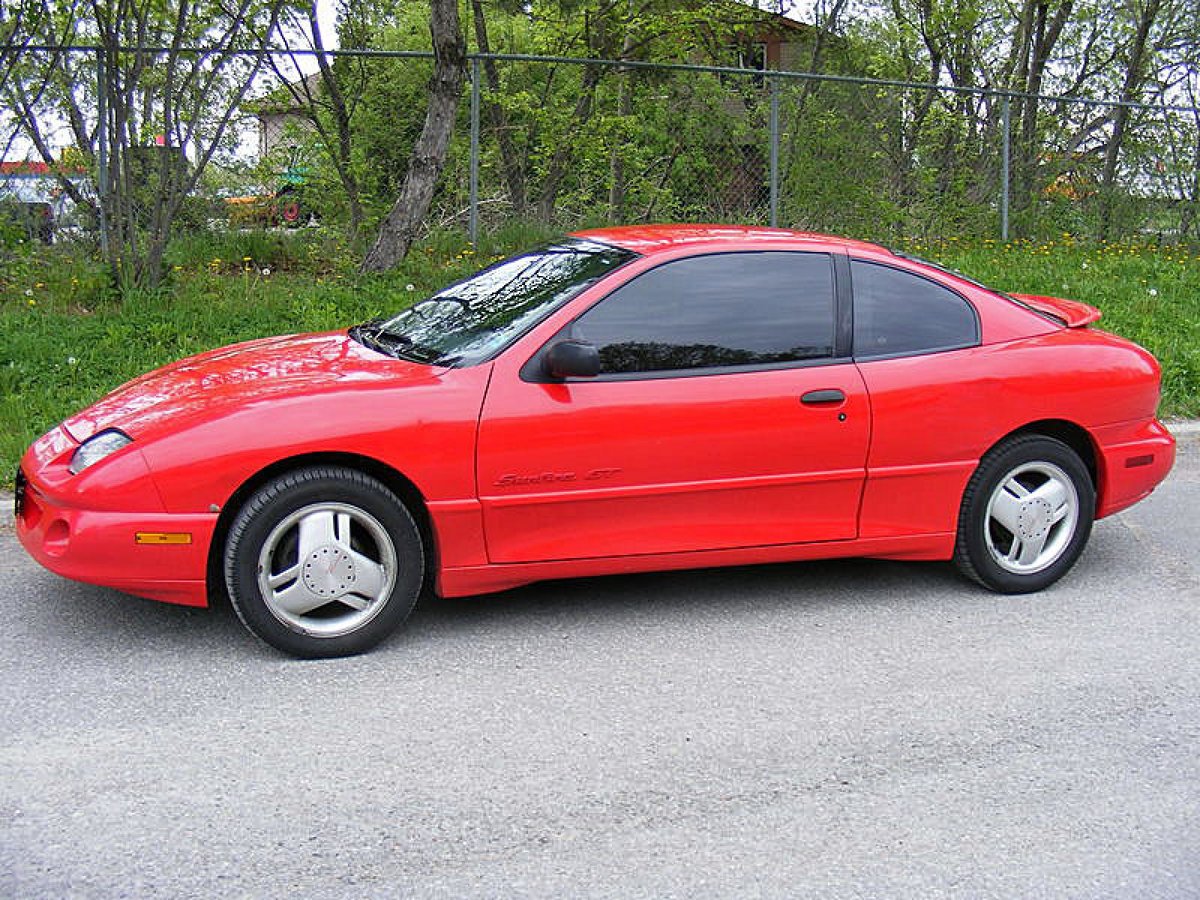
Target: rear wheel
{"x": 1026, "y": 515}
{"x": 323, "y": 561}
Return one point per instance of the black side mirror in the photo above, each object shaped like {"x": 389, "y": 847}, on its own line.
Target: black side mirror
{"x": 572, "y": 359}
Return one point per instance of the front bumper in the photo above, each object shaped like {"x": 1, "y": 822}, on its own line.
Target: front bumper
{"x": 102, "y": 548}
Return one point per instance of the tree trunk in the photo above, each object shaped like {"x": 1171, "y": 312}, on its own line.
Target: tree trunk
{"x": 510, "y": 160}
{"x": 1129, "y": 91}
{"x": 1041, "y": 35}
{"x": 399, "y": 229}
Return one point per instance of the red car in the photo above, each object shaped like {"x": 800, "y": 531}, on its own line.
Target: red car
{"x": 627, "y": 399}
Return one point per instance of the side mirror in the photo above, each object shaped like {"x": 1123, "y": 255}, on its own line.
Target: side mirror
{"x": 572, "y": 359}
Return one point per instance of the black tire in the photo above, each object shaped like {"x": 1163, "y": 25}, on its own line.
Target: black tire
{"x": 1026, "y": 515}
{"x": 354, "y": 583}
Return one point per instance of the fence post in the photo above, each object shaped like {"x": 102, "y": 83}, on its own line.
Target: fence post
{"x": 774, "y": 152}
{"x": 1005, "y": 138}
{"x": 102, "y": 150}
{"x": 473, "y": 221}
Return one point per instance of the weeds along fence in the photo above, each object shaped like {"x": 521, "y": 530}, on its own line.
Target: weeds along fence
{"x": 245, "y": 140}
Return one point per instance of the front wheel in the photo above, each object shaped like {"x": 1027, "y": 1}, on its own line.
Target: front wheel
{"x": 1026, "y": 515}
{"x": 323, "y": 561}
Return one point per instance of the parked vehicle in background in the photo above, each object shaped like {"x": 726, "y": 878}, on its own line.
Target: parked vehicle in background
{"x": 33, "y": 199}
{"x": 287, "y": 206}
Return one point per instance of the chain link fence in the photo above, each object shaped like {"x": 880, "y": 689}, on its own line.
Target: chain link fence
{"x": 574, "y": 143}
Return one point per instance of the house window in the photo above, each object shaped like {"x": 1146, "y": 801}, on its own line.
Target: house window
{"x": 753, "y": 57}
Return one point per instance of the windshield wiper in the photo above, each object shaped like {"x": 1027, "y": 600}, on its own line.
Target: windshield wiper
{"x": 367, "y": 334}
{"x": 374, "y": 334}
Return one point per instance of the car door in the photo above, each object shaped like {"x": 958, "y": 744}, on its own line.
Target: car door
{"x": 723, "y": 416}
{"x": 936, "y": 396}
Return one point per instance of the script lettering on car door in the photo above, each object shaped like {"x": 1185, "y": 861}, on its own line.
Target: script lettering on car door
{"x": 513, "y": 479}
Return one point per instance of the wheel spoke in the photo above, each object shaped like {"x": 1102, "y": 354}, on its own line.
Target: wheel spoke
{"x": 297, "y": 600}
{"x": 291, "y": 573}
{"x": 1017, "y": 489}
{"x": 355, "y": 601}
{"x": 1006, "y": 509}
{"x": 1029, "y": 550}
{"x": 341, "y": 530}
{"x": 317, "y": 530}
{"x": 370, "y": 576}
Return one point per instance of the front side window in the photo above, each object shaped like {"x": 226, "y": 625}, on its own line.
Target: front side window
{"x": 472, "y": 320}
{"x": 898, "y": 312}
{"x": 727, "y": 309}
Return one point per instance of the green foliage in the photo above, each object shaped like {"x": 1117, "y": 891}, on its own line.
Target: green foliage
{"x": 390, "y": 116}
{"x": 587, "y": 146}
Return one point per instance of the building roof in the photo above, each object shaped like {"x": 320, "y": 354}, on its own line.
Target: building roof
{"x": 35, "y": 169}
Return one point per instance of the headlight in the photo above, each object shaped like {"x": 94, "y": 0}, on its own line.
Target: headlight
{"x": 97, "y": 447}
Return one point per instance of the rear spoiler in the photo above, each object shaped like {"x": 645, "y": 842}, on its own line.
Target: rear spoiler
{"x": 1071, "y": 313}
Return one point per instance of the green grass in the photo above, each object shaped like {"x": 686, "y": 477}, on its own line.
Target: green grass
{"x": 65, "y": 339}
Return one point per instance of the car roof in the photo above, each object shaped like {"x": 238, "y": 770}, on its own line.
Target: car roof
{"x": 651, "y": 239}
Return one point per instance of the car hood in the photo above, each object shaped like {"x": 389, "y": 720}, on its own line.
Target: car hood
{"x": 202, "y": 387}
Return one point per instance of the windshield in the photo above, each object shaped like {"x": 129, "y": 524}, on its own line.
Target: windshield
{"x": 470, "y": 321}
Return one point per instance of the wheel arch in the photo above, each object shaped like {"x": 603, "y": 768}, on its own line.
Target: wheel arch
{"x": 1073, "y": 435}
{"x": 394, "y": 480}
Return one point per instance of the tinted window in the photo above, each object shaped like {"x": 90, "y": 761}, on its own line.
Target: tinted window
{"x": 898, "y": 312}
{"x": 728, "y": 309}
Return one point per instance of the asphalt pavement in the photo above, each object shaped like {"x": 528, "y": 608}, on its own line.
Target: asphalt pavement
{"x": 855, "y": 729}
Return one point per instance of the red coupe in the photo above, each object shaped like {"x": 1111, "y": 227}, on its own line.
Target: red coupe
{"x": 622, "y": 400}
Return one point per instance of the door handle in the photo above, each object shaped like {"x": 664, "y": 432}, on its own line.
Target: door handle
{"x": 824, "y": 397}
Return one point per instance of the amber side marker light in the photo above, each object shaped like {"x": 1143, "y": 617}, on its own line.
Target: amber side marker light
{"x": 162, "y": 537}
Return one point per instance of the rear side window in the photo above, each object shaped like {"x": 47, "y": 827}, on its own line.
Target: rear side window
{"x": 898, "y": 312}
{"x": 726, "y": 309}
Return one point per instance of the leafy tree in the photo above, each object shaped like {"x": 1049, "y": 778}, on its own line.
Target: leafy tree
{"x": 1061, "y": 153}
{"x": 146, "y": 110}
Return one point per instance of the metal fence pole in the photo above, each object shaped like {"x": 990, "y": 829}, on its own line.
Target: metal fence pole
{"x": 102, "y": 149}
{"x": 774, "y": 152}
{"x": 1005, "y": 138}
{"x": 473, "y": 221}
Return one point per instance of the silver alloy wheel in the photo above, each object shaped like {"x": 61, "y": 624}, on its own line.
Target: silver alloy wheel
{"x": 1031, "y": 517}
{"x": 327, "y": 569}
